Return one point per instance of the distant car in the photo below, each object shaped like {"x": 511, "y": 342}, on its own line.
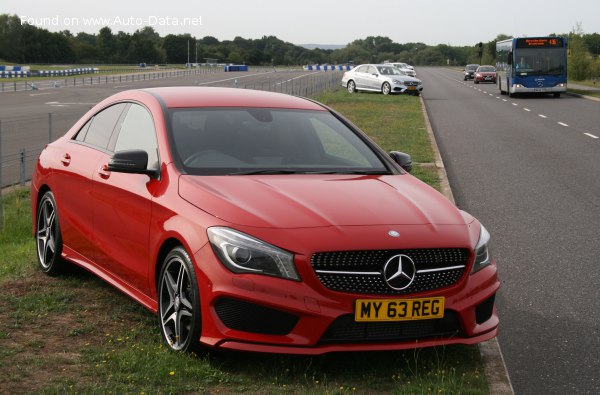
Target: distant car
{"x": 383, "y": 78}
{"x": 469, "y": 71}
{"x": 257, "y": 221}
{"x": 485, "y": 74}
{"x": 406, "y": 69}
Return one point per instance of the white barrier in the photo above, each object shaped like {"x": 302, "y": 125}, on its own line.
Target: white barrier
{"x": 327, "y": 67}
{"x": 64, "y": 72}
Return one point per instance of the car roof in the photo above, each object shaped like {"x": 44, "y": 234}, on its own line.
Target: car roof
{"x": 194, "y": 96}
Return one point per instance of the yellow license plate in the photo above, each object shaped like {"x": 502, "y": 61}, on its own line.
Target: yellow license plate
{"x": 399, "y": 309}
{"x": 412, "y": 88}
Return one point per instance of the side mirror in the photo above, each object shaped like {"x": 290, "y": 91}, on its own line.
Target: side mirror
{"x": 404, "y": 160}
{"x": 131, "y": 161}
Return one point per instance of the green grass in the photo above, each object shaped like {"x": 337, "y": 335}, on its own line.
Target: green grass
{"x": 16, "y": 237}
{"x": 587, "y": 92}
{"x": 76, "y": 334}
{"x": 394, "y": 122}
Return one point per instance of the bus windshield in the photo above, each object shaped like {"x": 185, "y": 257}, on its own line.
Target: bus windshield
{"x": 546, "y": 61}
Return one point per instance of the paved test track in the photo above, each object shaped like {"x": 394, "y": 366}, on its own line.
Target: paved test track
{"x": 24, "y": 114}
{"x": 528, "y": 168}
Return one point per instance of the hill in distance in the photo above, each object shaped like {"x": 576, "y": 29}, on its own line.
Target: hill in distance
{"x": 321, "y": 46}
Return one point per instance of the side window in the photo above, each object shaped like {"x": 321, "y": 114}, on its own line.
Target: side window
{"x": 372, "y": 70}
{"x": 362, "y": 69}
{"x": 137, "y": 132}
{"x": 83, "y": 131}
{"x": 102, "y": 126}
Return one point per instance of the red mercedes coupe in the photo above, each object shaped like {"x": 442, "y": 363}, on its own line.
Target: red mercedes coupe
{"x": 258, "y": 221}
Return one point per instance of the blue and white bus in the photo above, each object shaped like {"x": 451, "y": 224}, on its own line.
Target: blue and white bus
{"x": 532, "y": 64}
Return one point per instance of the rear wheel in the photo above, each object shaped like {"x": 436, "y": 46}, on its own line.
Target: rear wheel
{"x": 179, "y": 302}
{"x": 386, "y": 88}
{"x": 351, "y": 86}
{"x": 48, "y": 236}
{"x": 556, "y": 94}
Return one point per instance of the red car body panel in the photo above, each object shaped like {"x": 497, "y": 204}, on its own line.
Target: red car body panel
{"x": 119, "y": 226}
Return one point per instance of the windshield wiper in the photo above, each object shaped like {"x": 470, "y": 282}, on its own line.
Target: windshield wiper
{"x": 289, "y": 171}
{"x": 366, "y": 172}
{"x": 264, "y": 171}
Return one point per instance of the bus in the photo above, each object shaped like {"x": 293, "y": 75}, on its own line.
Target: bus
{"x": 532, "y": 65}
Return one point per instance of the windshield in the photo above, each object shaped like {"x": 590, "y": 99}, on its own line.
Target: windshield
{"x": 389, "y": 70}
{"x": 268, "y": 141}
{"x": 540, "y": 61}
{"x": 486, "y": 69}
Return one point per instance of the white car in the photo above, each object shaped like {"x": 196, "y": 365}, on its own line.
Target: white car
{"x": 383, "y": 78}
{"x": 406, "y": 69}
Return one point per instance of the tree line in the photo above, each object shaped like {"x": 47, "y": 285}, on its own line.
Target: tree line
{"x": 27, "y": 44}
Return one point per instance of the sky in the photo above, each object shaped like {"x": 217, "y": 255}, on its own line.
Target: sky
{"x": 336, "y": 22}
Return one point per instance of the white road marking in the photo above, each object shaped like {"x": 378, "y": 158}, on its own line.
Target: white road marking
{"x": 514, "y": 104}
{"x": 542, "y": 116}
{"x": 39, "y": 94}
{"x": 591, "y": 135}
{"x": 504, "y": 100}
{"x": 526, "y": 109}
{"x": 497, "y": 97}
{"x": 490, "y": 94}
{"x": 563, "y": 124}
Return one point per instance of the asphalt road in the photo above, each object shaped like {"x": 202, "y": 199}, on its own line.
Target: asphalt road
{"x": 24, "y": 119}
{"x": 529, "y": 169}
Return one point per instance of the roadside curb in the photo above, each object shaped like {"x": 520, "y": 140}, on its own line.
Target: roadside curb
{"x": 494, "y": 365}
{"x": 593, "y": 98}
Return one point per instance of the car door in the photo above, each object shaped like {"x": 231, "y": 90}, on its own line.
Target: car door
{"x": 360, "y": 76}
{"x": 73, "y": 179}
{"x": 122, "y": 202}
{"x": 372, "y": 78}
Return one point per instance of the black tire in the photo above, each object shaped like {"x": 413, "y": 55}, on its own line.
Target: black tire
{"x": 48, "y": 237}
{"x": 475, "y": 82}
{"x": 557, "y": 94}
{"x": 386, "y": 88}
{"x": 179, "y": 315}
{"x": 351, "y": 86}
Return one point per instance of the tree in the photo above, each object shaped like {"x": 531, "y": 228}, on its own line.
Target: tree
{"x": 579, "y": 63}
{"x": 107, "y": 46}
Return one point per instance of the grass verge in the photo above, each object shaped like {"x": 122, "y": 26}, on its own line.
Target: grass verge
{"x": 76, "y": 334}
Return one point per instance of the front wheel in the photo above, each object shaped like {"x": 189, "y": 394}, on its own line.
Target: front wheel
{"x": 179, "y": 302}
{"x": 386, "y": 88}
{"x": 48, "y": 237}
{"x": 556, "y": 94}
{"x": 351, "y": 86}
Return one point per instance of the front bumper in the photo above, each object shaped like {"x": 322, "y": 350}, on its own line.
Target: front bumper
{"x": 517, "y": 88}
{"x": 264, "y": 314}
{"x": 400, "y": 88}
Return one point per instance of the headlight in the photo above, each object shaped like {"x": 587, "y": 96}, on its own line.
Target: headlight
{"x": 397, "y": 82}
{"x": 242, "y": 253}
{"x": 482, "y": 253}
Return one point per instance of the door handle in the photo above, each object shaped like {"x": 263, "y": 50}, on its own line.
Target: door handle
{"x": 103, "y": 171}
{"x": 66, "y": 160}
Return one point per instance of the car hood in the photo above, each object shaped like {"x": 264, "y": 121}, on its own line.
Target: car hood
{"x": 303, "y": 201}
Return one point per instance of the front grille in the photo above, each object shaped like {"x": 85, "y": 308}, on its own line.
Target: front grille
{"x": 249, "y": 317}
{"x": 361, "y": 271}
{"x": 345, "y": 329}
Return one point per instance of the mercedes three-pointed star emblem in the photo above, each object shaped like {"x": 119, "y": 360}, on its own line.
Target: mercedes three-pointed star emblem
{"x": 399, "y": 272}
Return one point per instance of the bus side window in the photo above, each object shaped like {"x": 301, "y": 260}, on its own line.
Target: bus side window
{"x": 510, "y": 56}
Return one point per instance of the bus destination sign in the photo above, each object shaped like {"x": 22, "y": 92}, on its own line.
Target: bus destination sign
{"x": 539, "y": 42}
